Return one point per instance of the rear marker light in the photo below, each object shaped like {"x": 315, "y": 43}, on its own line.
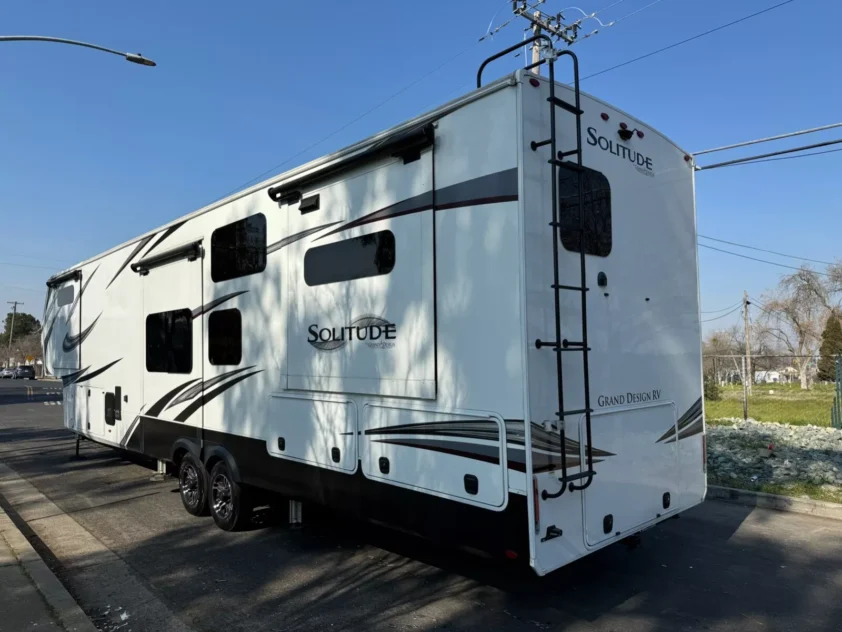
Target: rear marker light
{"x": 534, "y": 82}
{"x": 686, "y": 158}
{"x": 512, "y": 555}
{"x": 623, "y": 126}
{"x": 639, "y": 134}
{"x": 604, "y": 116}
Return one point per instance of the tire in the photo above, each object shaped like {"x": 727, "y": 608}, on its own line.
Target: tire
{"x": 230, "y": 504}
{"x": 193, "y": 485}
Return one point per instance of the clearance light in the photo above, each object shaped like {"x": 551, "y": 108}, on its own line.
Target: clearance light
{"x": 604, "y": 116}
{"x": 639, "y": 134}
{"x": 534, "y": 82}
{"x": 686, "y": 158}
{"x": 623, "y": 126}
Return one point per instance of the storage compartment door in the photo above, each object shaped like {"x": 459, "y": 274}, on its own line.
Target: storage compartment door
{"x": 360, "y": 285}
{"x": 636, "y": 467}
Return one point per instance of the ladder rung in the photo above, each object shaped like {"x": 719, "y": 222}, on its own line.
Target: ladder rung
{"x": 575, "y": 288}
{"x": 564, "y": 105}
{"x": 572, "y": 349}
{"x": 566, "y": 165}
{"x": 565, "y": 154}
{"x": 580, "y": 475}
{"x": 540, "y": 143}
{"x": 578, "y": 411}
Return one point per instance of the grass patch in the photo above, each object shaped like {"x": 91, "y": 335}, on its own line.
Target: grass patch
{"x": 827, "y": 493}
{"x": 786, "y": 403}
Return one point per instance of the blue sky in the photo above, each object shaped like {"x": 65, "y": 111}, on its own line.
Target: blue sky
{"x": 94, "y": 150}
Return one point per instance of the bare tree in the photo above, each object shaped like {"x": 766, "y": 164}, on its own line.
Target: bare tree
{"x": 27, "y": 346}
{"x": 794, "y": 315}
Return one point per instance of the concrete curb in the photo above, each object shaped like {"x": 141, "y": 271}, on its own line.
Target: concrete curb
{"x": 773, "y": 501}
{"x": 58, "y": 600}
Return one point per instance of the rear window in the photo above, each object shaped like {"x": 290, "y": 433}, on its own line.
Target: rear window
{"x": 597, "y": 205}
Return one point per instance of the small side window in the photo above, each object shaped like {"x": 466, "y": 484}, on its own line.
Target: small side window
{"x": 597, "y": 205}
{"x": 357, "y": 258}
{"x": 64, "y": 296}
{"x": 225, "y": 337}
{"x": 169, "y": 342}
{"x": 239, "y": 249}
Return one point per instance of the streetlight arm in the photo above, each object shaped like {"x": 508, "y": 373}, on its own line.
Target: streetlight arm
{"x": 132, "y": 57}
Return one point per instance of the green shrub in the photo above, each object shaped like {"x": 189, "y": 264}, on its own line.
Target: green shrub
{"x": 712, "y": 393}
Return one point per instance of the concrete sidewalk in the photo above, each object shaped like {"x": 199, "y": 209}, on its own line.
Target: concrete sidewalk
{"x": 32, "y": 596}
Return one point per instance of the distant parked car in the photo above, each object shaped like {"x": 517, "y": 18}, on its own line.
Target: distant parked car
{"x": 6, "y": 373}
{"x": 23, "y": 372}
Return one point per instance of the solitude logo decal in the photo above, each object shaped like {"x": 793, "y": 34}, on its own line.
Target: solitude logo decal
{"x": 374, "y": 331}
{"x": 642, "y": 163}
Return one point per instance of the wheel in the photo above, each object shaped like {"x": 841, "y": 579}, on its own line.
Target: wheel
{"x": 230, "y": 504}
{"x": 193, "y": 485}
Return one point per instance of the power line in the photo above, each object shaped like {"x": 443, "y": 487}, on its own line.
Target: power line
{"x": 592, "y": 16}
{"x": 772, "y": 252}
{"x": 767, "y": 139}
{"x": 715, "y": 311}
{"x": 689, "y": 39}
{"x": 369, "y": 111}
{"x": 27, "y": 265}
{"x": 815, "y": 153}
{"x": 773, "y": 263}
{"x": 707, "y": 320}
{"x": 752, "y": 159}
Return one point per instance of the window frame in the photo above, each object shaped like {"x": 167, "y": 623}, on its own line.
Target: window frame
{"x": 218, "y": 314}
{"x": 217, "y": 274}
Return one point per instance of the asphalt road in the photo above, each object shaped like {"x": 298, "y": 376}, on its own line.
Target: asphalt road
{"x": 126, "y": 546}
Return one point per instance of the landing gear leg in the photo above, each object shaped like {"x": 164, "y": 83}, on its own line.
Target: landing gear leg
{"x": 295, "y": 513}
{"x": 161, "y": 474}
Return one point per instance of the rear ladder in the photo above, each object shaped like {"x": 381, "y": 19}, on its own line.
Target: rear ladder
{"x": 559, "y": 345}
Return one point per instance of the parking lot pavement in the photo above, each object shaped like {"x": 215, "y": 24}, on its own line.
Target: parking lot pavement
{"x": 120, "y": 540}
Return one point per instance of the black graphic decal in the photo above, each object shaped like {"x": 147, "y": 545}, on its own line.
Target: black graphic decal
{"x": 166, "y": 234}
{"x": 191, "y": 392}
{"x": 78, "y": 298}
{"x": 476, "y": 451}
{"x": 689, "y": 424}
{"x": 89, "y": 376}
{"x": 137, "y": 249}
{"x": 71, "y": 342}
{"x": 286, "y": 241}
{"x": 218, "y": 301}
{"x": 158, "y": 406}
{"x": 192, "y": 408}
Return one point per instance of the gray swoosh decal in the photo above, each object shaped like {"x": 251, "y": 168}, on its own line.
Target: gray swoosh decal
{"x": 71, "y": 342}
{"x": 85, "y": 378}
{"x": 204, "y": 399}
{"x": 166, "y": 234}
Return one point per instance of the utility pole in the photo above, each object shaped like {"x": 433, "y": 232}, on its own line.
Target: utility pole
{"x": 536, "y": 46}
{"x": 14, "y": 305}
{"x": 750, "y": 378}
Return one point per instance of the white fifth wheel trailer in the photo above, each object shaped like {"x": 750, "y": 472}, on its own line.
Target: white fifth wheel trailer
{"x": 481, "y": 325}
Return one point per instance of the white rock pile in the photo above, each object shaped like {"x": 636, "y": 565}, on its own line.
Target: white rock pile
{"x": 756, "y": 452}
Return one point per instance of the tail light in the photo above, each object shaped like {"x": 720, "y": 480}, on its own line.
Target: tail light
{"x": 536, "y": 505}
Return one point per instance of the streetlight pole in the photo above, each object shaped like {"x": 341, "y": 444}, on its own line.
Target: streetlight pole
{"x": 135, "y": 58}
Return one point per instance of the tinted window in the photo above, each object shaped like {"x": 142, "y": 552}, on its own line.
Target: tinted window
{"x": 169, "y": 342}
{"x": 357, "y": 258}
{"x": 64, "y": 296}
{"x": 239, "y": 249}
{"x": 225, "y": 337}
{"x": 597, "y": 203}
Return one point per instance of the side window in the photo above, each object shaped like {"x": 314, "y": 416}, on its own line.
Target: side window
{"x": 64, "y": 296}
{"x": 597, "y": 205}
{"x": 225, "y": 337}
{"x": 356, "y": 258}
{"x": 239, "y": 249}
{"x": 169, "y": 342}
